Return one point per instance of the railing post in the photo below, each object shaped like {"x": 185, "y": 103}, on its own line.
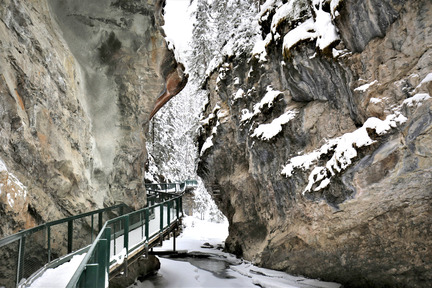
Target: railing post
{"x": 108, "y": 245}
{"x": 126, "y": 233}
{"x": 115, "y": 238}
{"x": 70, "y": 236}
{"x": 91, "y": 276}
{"x": 168, "y": 213}
{"x": 174, "y": 240}
{"x": 100, "y": 221}
{"x": 161, "y": 216}
{"x": 20, "y": 266}
{"x": 92, "y": 225}
{"x": 126, "y": 243}
{"x": 141, "y": 224}
{"x": 102, "y": 260}
{"x": 49, "y": 243}
{"x": 147, "y": 216}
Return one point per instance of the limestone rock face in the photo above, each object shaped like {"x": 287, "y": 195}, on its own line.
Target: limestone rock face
{"x": 78, "y": 82}
{"x": 331, "y": 177}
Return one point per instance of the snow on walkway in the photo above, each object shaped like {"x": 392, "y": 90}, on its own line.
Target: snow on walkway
{"x": 58, "y": 277}
{"x": 180, "y": 273}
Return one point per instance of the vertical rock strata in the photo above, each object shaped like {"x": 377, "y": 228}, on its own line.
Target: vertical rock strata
{"x": 78, "y": 80}
{"x": 320, "y": 155}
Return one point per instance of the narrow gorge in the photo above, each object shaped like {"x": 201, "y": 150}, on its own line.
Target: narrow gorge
{"x": 314, "y": 138}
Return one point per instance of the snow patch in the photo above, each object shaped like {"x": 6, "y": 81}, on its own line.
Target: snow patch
{"x": 326, "y": 31}
{"x": 288, "y": 11}
{"x": 342, "y": 149}
{"x": 246, "y": 115}
{"x": 375, "y": 100}
{"x": 268, "y": 131}
{"x": 304, "y": 31}
{"x": 268, "y": 99}
{"x": 2, "y": 166}
{"x": 207, "y": 120}
{"x": 364, "y": 87}
{"x": 267, "y": 7}
{"x": 334, "y": 4}
{"x": 59, "y": 276}
{"x": 209, "y": 141}
{"x": 321, "y": 28}
{"x": 14, "y": 186}
{"x": 427, "y": 79}
{"x": 221, "y": 114}
{"x": 416, "y": 99}
{"x": 207, "y": 144}
{"x": 239, "y": 94}
{"x": 120, "y": 257}
{"x": 340, "y": 53}
{"x": 259, "y": 49}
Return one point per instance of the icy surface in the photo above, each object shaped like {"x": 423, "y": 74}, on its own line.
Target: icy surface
{"x": 342, "y": 151}
{"x": 238, "y": 274}
{"x": 58, "y": 277}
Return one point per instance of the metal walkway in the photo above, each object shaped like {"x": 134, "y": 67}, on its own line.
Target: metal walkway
{"x": 121, "y": 238}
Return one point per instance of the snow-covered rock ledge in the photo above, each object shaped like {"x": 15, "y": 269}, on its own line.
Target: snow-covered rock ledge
{"x": 343, "y": 150}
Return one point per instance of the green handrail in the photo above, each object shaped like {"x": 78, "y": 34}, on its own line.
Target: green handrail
{"x": 21, "y": 237}
{"x": 98, "y": 250}
{"x": 176, "y": 187}
{"x": 87, "y": 273}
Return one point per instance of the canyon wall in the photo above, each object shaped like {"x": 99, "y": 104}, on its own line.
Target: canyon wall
{"x": 316, "y": 143}
{"x": 78, "y": 81}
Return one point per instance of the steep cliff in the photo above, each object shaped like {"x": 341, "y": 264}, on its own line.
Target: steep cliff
{"x": 316, "y": 141}
{"x": 78, "y": 82}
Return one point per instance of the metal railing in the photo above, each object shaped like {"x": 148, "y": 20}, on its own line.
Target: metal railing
{"x": 25, "y": 252}
{"x": 119, "y": 237}
{"x": 179, "y": 187}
